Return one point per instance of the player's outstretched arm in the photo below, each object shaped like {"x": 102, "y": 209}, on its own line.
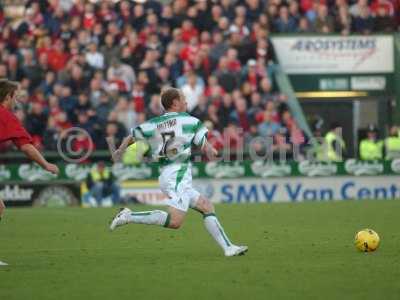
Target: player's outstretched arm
{"x": 209, "y": 150}
{"x": 117, "y": 154}
{"x": 2, "y": 208}
{"x": 32, "y": 153}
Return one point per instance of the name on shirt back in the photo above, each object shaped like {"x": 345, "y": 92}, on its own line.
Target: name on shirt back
{"x": 167, "y": 124}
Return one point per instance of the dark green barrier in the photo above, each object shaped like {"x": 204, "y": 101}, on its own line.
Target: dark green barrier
{"x": 263, "y": 169}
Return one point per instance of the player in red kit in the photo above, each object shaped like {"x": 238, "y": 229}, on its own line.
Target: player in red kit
{"x": 11, "y": 129}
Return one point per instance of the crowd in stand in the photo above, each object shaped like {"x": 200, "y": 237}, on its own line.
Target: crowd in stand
{"x": 101, "y": 66}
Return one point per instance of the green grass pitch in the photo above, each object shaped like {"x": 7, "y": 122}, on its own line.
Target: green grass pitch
{"x": 296, "y": 251}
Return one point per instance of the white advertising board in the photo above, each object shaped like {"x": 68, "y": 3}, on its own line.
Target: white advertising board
{"x": 335, "y": 54}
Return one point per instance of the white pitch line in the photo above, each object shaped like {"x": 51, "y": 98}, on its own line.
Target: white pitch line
{"x": 68, "y": 249}
{"x": 2, "y": 263}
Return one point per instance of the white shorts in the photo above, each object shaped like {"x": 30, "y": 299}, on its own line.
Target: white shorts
{"x": 176, "y": 182}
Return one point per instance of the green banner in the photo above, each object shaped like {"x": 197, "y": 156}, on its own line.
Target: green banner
{"x": 259, "y": 169}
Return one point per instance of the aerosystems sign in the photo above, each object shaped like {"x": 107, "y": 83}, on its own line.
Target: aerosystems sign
{"x": 335, "y": 54}
{"x": 292, "y": 189}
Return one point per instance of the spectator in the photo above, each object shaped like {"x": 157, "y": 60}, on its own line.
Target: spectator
{"x": 392, "y": 144}
{"x": 51, "y": 135}
{"x": 212, "y": 116}
{"x": 83, "y": 122}
{"x": 219, "y": 47}
{"x": 83, "y": 104}
{"x": 264, "y": 50}
{"x": 95, "y": 91}
{"x": 386, "y": 5}
{"x": 94, "y": 58}
{"x": 285, "y": 22}
{"x": 121, "y": 74}
{"x": 281, "y": 143}
{"x": 256, "y": 106}
{"x": 36, "y": 121}
{"x": 324, "y": 22}
{"x": 232, "y": 60}
{"x": 149, "y": 66}
{"x": 294, "y": 11}
{"x": 214, "y": 91}
{"x": 62, "y": 121}
{"x": 364, "y": 23}
{"x": 155, "y": 108}
{"x": 357, "y": 8}
{"x": 104, "y": 107}
{"x": 163, "y": 78}
{"x": 304, "y": 25}
{"x": 46, "y": 85}
{"x": 371, "y": 148}
{"x": 311, "y": 10}
{"x": 57, "y": 57}
{"x": 3, "y": 71}
{"x": 239, "y": 27}
{"x": 253, "y": 9}
{"x": 112, "y": 132}
{"x": 251, "y": 75}
{"x": 343, "y": 20}
{"x": 226, "y": 79}
{"x": 224, "y": 111}
{"x": 133, "y": 53}
{"x": 240, "y": 116}
{"x": 14, "y": 73}
{"x": 109, "y": 49}
{"x": 268, "y": 127}
{"x": 54, "y": 107}
{"x": 192, "y": 90}
{"x": 233, "y": 137}
{"x": 101, "y": 184}
{"x": 188, "y": 31}
{"x": 265, "y": 89}
{"x": 126, "y": 113}
{"x": 200, "y": 110}
{"x": 334, "y": 143}
{"x": 273, "y": 108}
{"x": 76, "y": 80}
{"x": 297, "y": 139}
{"x": 383, "y": 21}
{"x": 138, "y": 96}
{"x": 31, "y": 69}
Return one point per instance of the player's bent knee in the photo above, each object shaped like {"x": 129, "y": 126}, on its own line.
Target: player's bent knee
{"x": 176, "y": 220}
{"x": 210, "y": 207}
{"x": 175, "y": 224}
{"x": 205, "y": 206}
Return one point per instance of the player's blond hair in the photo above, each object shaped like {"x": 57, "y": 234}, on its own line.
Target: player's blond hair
{"x": 168, "y": 96}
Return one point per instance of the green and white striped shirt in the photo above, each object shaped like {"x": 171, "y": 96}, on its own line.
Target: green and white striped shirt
{"x": 171, "y": 136}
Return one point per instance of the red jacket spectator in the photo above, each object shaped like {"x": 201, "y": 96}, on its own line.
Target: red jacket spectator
{"x": 233, "y": 137}
{"x": 188, "y": 31}
{"x": 189, "y": 52}
{"x": 388, "y": 5}
{"x": 306, "y": 5}
{"x": 83, "y": 144}
{"x": 57, "y": 57}
{"x": 215, "y": 138}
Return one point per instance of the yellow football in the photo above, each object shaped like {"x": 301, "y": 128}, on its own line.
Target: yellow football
{"x": 367, "y": 240}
